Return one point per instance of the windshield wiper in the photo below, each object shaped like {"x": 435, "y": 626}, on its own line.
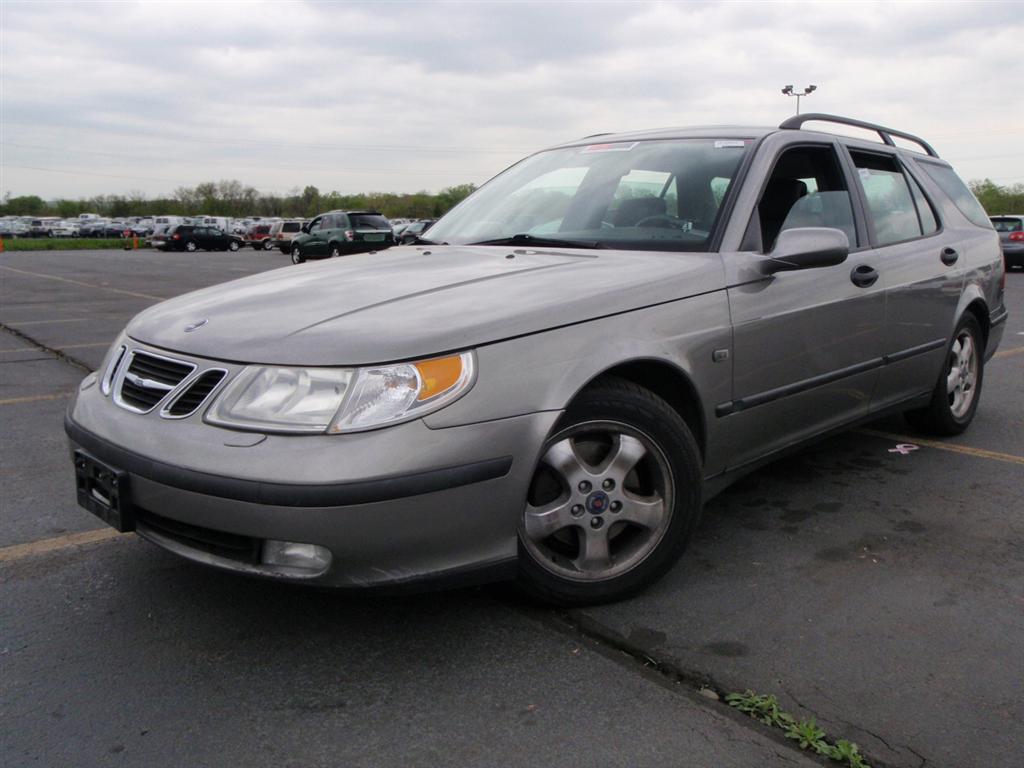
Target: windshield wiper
{"x": 524, "y": 238}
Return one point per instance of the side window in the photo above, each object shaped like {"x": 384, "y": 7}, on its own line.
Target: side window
{"x": 925, "y": 212}
{"x": 958, "y": 192}
{"x": 806, "y": 189}
{"x": 890, "y": 203}
{"x": 316, "y": 224}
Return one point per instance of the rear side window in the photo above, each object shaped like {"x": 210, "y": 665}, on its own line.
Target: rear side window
{"x": 291, "y": 226}
{"x": 890, "y": 201}
{"x": 958, "y": 192}
{"x": 368, "y": 221}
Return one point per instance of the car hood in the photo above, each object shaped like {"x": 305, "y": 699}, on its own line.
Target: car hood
{"x": 406, "y": 302}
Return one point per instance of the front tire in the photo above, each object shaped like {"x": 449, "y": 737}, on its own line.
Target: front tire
{"x": 268, "y": 244}
{"x": 233, "y": 245}
{"x": 297, "y": 257}
{"x": 958, "y": 390}
{"x": 614, "y": 499}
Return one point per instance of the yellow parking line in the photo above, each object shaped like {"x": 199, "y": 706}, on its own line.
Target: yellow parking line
{"x": 60, "y": 348}
{"x": 967, "y": 450}
{"x": 1009, "y": 352}
{"x": 42, "y": 547}
{"x": 83, "y": 346}
{"x": 86, "y": 285}
{"x": 44, "y": 322}
{"x": 34, "y": 399}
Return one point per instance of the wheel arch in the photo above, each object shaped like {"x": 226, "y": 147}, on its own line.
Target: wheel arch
{"x": 973, "y": 301}
{"x": 979, "y": 309}
{"x": 667, "y": 381}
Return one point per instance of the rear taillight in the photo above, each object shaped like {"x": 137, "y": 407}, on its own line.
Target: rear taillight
{"x": 350, "y": 235}
{"x": 1017, "y": 237}
{"x": 176, "y": 236}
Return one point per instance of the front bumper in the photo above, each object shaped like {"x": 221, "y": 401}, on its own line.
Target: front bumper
{"x": 392, "y": 506}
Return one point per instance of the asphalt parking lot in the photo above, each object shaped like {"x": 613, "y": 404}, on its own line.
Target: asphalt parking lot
{"x": 879, "y": 590}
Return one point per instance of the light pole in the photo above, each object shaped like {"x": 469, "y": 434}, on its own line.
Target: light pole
{"x": 788, "y": 91}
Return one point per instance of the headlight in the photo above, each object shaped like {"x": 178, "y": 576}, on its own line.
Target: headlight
{"x": 333, "y": 400}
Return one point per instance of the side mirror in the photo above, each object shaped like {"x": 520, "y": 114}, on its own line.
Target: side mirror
{"x": 807, "y": 248}
{"x": 305, "y": 228}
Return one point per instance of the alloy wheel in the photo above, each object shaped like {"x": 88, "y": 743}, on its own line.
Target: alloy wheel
{"x": 600, "y": 502}
{"x": 961, "y": 380}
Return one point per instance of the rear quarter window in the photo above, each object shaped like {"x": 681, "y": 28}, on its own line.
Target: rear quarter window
{"x": 962, "y": 197}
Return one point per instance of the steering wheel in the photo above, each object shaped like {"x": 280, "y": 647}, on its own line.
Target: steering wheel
{"x": 662, "y": 220}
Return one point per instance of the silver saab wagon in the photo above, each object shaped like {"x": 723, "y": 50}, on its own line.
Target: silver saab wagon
{"x": 550, "y": 387}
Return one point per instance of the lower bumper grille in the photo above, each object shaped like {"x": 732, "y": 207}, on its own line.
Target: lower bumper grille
{"x": 232, "y": 546}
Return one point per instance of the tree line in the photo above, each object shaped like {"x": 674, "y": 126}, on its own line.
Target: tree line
{"x": 234, "y": 199}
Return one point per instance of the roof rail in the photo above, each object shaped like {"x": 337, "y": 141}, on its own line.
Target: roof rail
{"x": 797, "y": 122}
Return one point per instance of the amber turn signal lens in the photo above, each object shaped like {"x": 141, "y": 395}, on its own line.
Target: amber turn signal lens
{"x": 439, "y": 375}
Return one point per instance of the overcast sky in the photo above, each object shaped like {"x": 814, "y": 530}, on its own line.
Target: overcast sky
{"x": 101, "y": 98}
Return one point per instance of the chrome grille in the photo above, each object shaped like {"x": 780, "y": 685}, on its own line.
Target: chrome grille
{"x": 195, "y": 394}
{"x": 149, "y": 379}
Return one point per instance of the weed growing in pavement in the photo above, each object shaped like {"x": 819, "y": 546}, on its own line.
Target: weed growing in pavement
{"x": 806, "y": 733}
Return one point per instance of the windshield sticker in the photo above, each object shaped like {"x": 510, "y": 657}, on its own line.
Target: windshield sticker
{"x": 730, "y": 143}
{"x": 610, "y": 147}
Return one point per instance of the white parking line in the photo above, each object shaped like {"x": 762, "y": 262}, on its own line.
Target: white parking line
{"x": 86, "y": 285}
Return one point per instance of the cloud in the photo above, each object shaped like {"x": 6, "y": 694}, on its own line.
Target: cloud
{"x": 405, "y": 96}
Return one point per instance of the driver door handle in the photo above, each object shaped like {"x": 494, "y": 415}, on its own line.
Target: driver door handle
{"x": 949, "y": 256}
{"x": 864, "y": 276}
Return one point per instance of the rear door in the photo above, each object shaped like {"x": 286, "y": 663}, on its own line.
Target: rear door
{"x": 807, "y": 344}
{"x": 923, "y": 271}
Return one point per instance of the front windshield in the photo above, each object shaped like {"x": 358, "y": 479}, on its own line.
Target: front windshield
{"x": 645, "y": 195}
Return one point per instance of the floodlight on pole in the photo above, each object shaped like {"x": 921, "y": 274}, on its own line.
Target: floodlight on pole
{"x": 788, "y": 91}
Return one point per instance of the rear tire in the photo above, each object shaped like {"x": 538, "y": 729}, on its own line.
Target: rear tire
{"x": 614, "y": 499}
{"x": 268, "y": 244}
{"x": 335, "y": 251}
{"x": 958, "y": 390}
{"x": 191, "y": 247}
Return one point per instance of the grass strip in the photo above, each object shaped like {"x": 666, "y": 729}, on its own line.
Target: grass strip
{"x": 66, "y": 243}
{"x": 806, "y": 733}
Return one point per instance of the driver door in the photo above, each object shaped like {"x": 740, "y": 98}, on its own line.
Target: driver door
{"x": 317, "y": 244}
{"x": 807, "y": 344}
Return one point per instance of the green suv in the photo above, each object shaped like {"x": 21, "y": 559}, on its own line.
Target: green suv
{"x": 337, "y": 233}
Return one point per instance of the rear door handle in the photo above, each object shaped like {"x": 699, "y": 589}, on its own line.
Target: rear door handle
{"x": 864, "y": 276}
{"x": 949, "y": 256}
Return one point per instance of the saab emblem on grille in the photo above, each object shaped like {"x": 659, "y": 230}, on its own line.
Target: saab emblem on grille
{"x": 196, "y": 325}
